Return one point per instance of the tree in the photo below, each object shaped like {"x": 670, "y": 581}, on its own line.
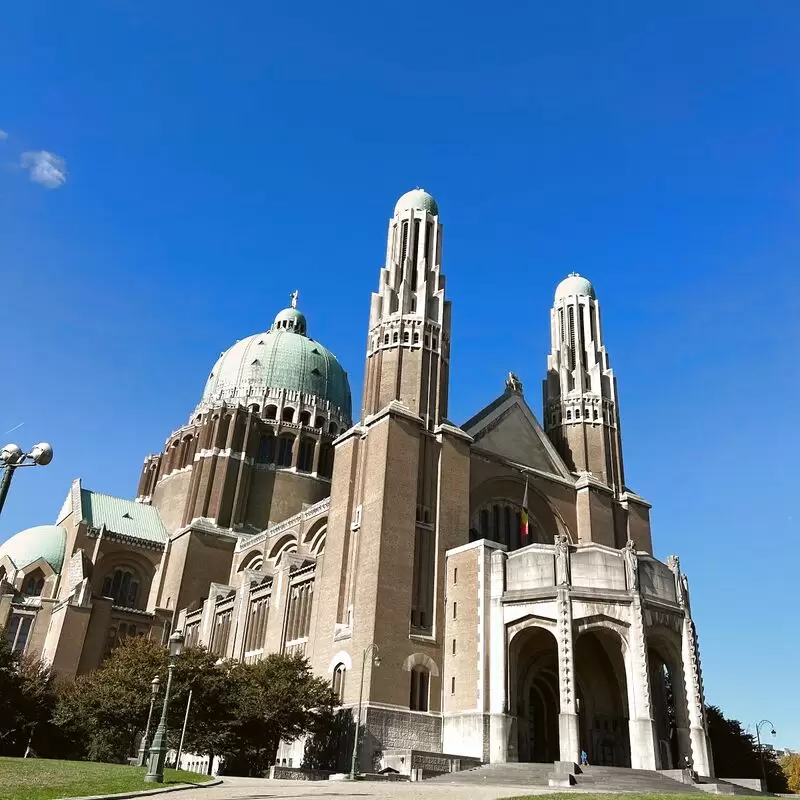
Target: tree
{"x": 277, "y": 698}
{"x": 106, "y": 711}
{"x": 736, "y": 754}
{"x": 210, "y": 710}
{"x": 238, "y": 711}
{"x": 26, "y": 689}
{"x": 790, "y": 764}
{"x": 330, "y": 744}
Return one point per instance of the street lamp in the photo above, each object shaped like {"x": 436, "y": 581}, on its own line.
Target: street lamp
{"x": 760, "y": 749}
{"x": 158, "y": 750}
{"x": 12, "y": 457}
{"x": 376, "y": 660}
{"x": 155, "y": 684}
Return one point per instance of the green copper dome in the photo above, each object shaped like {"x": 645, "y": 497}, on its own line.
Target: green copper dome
{"x": 574, "y": 284}
{"x": 43, "y": 541}
{"x": 283, "y": 357}
{"x": 419, "y": 200}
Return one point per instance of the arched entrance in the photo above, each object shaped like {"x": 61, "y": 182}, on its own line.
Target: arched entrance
{"x": 534, "y": 695}
{"x": 668, "y": 695}
{"x": 602, "y": 697}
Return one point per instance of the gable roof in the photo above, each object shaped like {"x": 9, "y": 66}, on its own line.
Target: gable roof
{"x": 507, "y": 427}
{"x": 124, "y": 517}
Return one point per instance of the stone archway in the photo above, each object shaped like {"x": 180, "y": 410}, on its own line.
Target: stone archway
{"x": 669, "y": 702}
{"x": 534, "y": 694}
{"x": 603, "y": 712}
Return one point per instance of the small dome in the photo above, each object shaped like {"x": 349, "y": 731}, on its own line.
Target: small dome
{"x": 574, "y": 284}
{"x": 419, "y": 200}
{"x": 290, "y": 319}
{"x": 43, "y": 541}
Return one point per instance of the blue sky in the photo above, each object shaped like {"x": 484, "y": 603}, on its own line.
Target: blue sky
{"x": 196, "y": 162}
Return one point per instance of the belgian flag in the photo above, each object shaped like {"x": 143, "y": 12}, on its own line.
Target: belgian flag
{"x": 523, "y": 517}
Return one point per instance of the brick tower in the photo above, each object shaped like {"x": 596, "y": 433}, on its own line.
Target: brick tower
{"x": 391, "y": 519}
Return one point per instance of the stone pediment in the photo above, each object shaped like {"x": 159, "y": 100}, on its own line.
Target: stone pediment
{"x": 508, "y": 428}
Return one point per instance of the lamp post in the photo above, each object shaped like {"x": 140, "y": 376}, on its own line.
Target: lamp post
{"x": 12, "y": 458}
{"x": 761, "y": 750}
{"x": 155, "y": 684}
{"x": 183, "y": 730}
{"x": 158, "y": 750}
{"x": 376, "y": 659}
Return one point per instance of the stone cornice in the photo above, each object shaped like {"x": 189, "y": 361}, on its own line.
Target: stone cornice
{"x": 490, "y": 456}
{"x": 256, "y": 539}
{"x": 394, "y": 408}
{"x": 448, "y": 429}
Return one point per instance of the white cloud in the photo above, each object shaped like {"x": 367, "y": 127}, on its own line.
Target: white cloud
{"x": 3, "y": 135}
{"x": 46, "y": 168}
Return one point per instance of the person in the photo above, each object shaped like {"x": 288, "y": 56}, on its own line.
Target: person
{"x": 584, "y": 759}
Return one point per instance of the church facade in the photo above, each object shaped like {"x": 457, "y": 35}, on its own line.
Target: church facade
{"x": 502, "y": 570}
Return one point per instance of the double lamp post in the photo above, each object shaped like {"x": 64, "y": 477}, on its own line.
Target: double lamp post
{"x": 158, "y": 750}
{"x": 12, "y": 458}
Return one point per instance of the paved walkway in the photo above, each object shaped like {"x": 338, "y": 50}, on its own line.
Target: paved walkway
{"x": 261, "y": 789}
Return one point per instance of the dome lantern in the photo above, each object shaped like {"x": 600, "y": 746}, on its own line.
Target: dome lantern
{"x": 418, "y": 200}
{"x": 574, "y": 284}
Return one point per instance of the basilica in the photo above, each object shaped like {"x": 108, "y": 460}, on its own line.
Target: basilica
{"x": 490, "y": 585}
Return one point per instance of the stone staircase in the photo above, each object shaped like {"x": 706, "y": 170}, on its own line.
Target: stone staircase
{"x": 596, "y": 779}
{"x": 619, "y": 779}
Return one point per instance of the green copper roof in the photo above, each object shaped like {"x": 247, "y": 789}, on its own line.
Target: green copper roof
{"x": 125, "y": 517}
{"x": 574, "y": 284}
{"x": 281, "y": 358}
{"x": 419, "y": 200}
{"x": 290, "y": 319}
{"x": 43, "y": 541}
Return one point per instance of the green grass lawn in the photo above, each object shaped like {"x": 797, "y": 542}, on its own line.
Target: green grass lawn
{"x": 45, "y": 779}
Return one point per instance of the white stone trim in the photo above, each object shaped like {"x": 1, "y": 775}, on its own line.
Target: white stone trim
{"x": 342, "y": 657}
{"x": 421, "y": 660}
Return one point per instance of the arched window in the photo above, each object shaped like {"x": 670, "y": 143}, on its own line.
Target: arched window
{"x": 271, "y": 412}
{"x": 569, "y": 413}
{"x": 420, "y": 686}
{"x": 266, "y": 450}
{"x": 305, "y": 417}
{"x": 285, "y": 445}
{"x": 416, "y": 338}
{"x": 122, "y": 586}
{"x": 339, "y": 672}
{"x": 395, "y": 337}
{"x": 405, "y": 337}
{"x": 333, "y": 429}
{"x": 325, "y": 467}
{"x": 288, "y": 414}
{"x": 255, "y": 408}
{"x": 319, "y": 422}
{"x": 34, "y": 584}
{"x": 305, "y": 456}
{"x": 386, "y": 339}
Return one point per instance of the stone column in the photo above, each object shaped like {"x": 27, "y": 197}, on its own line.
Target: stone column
{"x": 641, "y": 724}
{"x": 296, "y": 451}
{"x": 317, "y": 447}
{"x": 502, "y": 731}
{"x": 568, "y": 736}
{"x": 693, "y": 678}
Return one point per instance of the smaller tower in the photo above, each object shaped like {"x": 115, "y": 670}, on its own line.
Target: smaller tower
{"x": 581, "y": 413}
{"x": 408, "y": 345}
